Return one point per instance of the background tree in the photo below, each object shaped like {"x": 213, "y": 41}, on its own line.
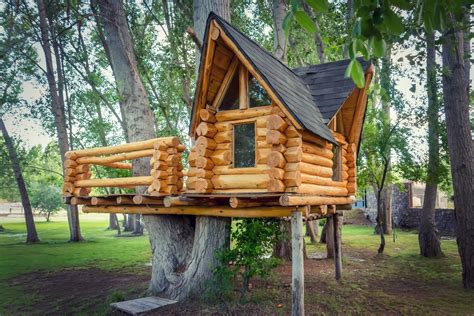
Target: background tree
{"x": 47, "y": 200}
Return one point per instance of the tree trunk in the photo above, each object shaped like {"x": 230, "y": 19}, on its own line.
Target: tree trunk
{"x": 57, "y": 110}
{"x": 282, "y": 248}
{"x": 322, "y": 239}
{"x": 31, "y": 234}
{"x": 310, "y": 231}
{"x": 428, "y": 236}
{"x": 280, "y": 45}
{"x": 387, "y": 85}
{"x": 330, "y": 237}
{"x": 456, "y": 105}
{"x": 380, "y": 214}
{"x": 183, "y": 247}
{"x": 318, "y": 41}
{"x": 113, "y": 222}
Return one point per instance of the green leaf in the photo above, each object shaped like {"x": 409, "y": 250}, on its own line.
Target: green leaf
{"x": 355, "y": 70}
{"x": 320, "y": 6}
{"x": 305, "y": 21}
{"x": 378, "y": 47}
{"x": 360, "y": 47}
{"x": 357, "y": 28}
{"x": 286, "y": 23}
{"x": 393, "y": 22}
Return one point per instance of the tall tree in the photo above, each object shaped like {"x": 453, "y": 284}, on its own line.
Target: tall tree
{"x": 31, "y": 234}
{"x": 428, "y": 236}
{"x": 461, "y": 151}
{"x": 57, "y": 107}
{"x": 183, "y": 246}
{"x": 280, "y": 45}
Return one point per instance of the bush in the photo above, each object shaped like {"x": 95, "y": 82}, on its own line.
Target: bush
{"x": 47, "y": 200}
{"x": 251, "y": 255}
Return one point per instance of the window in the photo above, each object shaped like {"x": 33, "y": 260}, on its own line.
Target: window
{"x": 257, "y": 95}
{"x": 244, "y": 145}
{"x": 336, "y": 163}
{"x": 231, "y": 97}
{"x": 243, "y": 84}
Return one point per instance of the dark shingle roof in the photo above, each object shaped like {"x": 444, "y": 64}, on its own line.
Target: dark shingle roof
{"x": 327, "y": 84}
{"x": 289, "y": 88}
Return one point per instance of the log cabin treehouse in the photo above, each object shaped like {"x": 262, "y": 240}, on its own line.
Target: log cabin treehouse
{"x": 265, "y": 135}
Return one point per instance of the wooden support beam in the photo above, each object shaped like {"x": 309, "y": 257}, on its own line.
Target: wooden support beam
{"x": 140, "y": 199}
{"x": 116, "y": 158}
{"x": 79, "y": 201}
{"x": 337, "y": 245}
{"x": 297, "y": 264}
{"x": 295, "y": 200}
{"x": 102, "y": 201}
{"x": 124, "y": 200}
{"x": 243, "y": 88}
{"x": 219, "y": 211}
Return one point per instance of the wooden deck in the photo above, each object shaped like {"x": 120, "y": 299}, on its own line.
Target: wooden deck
{"x": 141, "y": 306}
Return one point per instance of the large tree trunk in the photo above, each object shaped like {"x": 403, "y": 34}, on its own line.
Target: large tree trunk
{"x": 428, "y": 236}
{"x": 387, "y": 85}
{"x": 57, "y": 110}
{"x": 183, "y": 246}
{"x": 318, "y": 41}
{"x": 311, "y": 231}
{"x": 280, "y": 45}
{"x": 31, "y": 234}
{"x": 456, "y": 105}
{"x": 330, "y": 237}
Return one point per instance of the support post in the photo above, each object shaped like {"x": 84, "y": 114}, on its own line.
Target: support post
{"x": 337, "y": 245}
{"x": 297, "y": 261}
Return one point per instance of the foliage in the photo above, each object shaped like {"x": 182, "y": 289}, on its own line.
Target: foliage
{"x": 253, "y": 241}
{"x": 46, "y": 199}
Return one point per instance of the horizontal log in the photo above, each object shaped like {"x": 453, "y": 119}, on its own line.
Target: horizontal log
{"x": 262, "y": 155}
{"x": 116, "y": 158}
{"x": 291, "y": 131}
{"x": 294, "y": 142}
{"x": 275, "y": 185}
{"x": 276, "y": 173}
{"x": 219, "y": 211}
{"x": 221, "y": 157}
{"x": 115, "y": 182}
{"x": 171, "y": 201}
{"x": 224, "y": 146}
{"x": 69, "y": 163}
{"x": 204, "y": 163}
{"x": 159, "y": 174}
{"x": 79, "y": 201}
{"x": 135, "y": 146}
{"x": 207, "y": 116}
{"x": 160, "y": 165}
{"x": 103, "y": 201}
{"x": 341, "y": 139}
{"x": 352, "y": 187}
{"x": 315, "y": 189}
{"x": 240, "y": 181}
{"x": 191, "y": 183}
{"x": 293, "y": 154}
{"x": 158, "y": 185}
{"x": 279, "y": 147}
{"x": 275, "y": 137}
{"x": 276, "y": 160}
{"x": 160, "y": 155}
{"x": 206, "y": 142}
{"x": 317, "y": 150}
{"x": 192, "y": 158}
{"x": 237, "y": 202}
{"x": 243, "y": 114}
{"x": 292, "y": 179}
{"x": 140, "y": 199}
{"x": 171, "y": 189}
{"x": 82, "y": 176}
{"x": 70, "y": 155}
{"x": 312, "y": 138}
{"x": 258, "y": 169}
{"x": 203, "y": 185}
{"x": 181, "y": 148}
{"x": 223, "y": 137}
{"x": 260, "y": 122}
{"x": 203, "y": 173}
{"x": 315, "y": 170}
{"x": 316, "y": 160}
{"x": 206, "y": 129}
{"x": 81, "y": 191}
{"x": 311, "y": 179}
{"x": 299, "y": 200}
{"x": 82, "y": 169}
{"x": 276, "y": 122}
{"x": 124, "y": 200}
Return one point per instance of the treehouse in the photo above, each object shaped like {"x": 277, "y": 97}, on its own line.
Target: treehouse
{"x": 265, "y": 135}
{"x": 269, "y": 141}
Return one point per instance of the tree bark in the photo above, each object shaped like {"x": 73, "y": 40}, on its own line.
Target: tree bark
{"x": 31, "y": 234}
{"x": 280, "y": 45}
{"x": 310, "y": 231}
{"x": 428, "y": 236}
{"x": 456, "y": 105}
{"x": 282, "y": 248}
{"x": 183, "y": 247}
{"x": 57, "y": 109}
{"x": 318, "y": 41}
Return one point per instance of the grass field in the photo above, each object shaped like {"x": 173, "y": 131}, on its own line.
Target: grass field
{"x": 83, "y": 278}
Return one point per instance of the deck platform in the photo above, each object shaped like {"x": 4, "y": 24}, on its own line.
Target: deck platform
{"x": 141, "y": 306}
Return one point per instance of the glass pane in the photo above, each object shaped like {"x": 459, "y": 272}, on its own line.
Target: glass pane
{"x": 244, "y": 145}
{"x": 231, "y": 98}
{"x": 257, "y": 95}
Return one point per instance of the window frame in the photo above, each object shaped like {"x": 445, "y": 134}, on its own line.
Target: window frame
{"x": 254, "y": 122}
{"x": 337, "y": 163}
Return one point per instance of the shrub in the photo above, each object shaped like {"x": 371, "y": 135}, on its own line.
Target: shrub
{"x": 47, "y": 200}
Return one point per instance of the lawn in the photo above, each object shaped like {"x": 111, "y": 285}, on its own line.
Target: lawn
{"x": 83, "y": 278}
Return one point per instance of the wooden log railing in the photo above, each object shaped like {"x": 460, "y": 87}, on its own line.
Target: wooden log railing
{"x": 166, "y": 169}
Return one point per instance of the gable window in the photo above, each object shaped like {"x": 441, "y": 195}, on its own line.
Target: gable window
{"x": 257, "y": 94}
{"x": 242, "y": 91}
{"x": 244, "y": 145}
{"x": 336, "y": 163}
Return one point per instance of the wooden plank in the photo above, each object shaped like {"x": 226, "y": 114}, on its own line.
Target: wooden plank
{"x": 116, "y": 158}
{"x": 337, "y": 245}
{"x": 219, "y": 211}
{"x": 114, "y": 182}
{"x": 142, "y": 305}
{"x": 243, "y": 88}
{"x": 297, "y": 264}
{"x": 225, "y": 83}
{"x": 299, "y": 200}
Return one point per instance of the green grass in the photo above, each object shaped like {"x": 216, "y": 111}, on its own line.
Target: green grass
{"x": 366, "y": 282}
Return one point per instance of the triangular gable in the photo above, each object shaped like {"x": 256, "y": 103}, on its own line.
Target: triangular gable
{"x": 284, "y": 87}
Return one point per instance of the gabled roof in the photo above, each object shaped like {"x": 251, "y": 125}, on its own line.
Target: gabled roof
{"x": 312, "y": 95}
{"x": 328, "y": 86}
